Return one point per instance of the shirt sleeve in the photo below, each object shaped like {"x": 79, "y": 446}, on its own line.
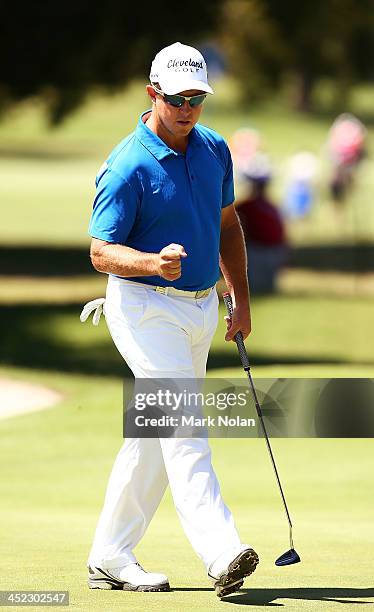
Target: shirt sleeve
{"x": 228, "y": 194}
{"x": 114, "y": 208}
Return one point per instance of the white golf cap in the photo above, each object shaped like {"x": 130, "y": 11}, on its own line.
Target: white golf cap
{"x": 178, "y": 68}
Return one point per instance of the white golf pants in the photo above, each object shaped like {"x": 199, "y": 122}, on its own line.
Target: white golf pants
{"x": 161, "y": 336}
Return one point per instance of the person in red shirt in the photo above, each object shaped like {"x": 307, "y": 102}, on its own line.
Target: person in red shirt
{"x": 263, "y": 228}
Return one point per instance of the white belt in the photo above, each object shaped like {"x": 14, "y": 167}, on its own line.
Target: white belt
{"x": 172, "y": 290}
{"x": 96, "y": 306}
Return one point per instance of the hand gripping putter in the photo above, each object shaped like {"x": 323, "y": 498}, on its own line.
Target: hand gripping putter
{"x": 290, "y": 557}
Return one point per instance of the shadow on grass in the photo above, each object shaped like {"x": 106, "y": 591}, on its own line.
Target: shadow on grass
{"x": 264, "y": 597}
{"x": 229, "y": 359}
{"x": 338, "y": 257}
{"x": 19, "y": 260}
{"x": 51, "y": 337}
{"x": 45, "y": 261}
{"x": 42, "y": 154}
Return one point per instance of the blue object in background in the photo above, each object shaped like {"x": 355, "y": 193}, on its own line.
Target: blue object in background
{"x": 299, "y": 199}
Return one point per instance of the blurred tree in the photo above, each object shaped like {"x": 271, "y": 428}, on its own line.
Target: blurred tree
{"x": 254, "y": 46}
{"x": 59, "y": 50}
{"x": 268, "y": 40}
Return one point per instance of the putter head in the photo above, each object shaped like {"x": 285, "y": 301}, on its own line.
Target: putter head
{"x": 288, "y": 558}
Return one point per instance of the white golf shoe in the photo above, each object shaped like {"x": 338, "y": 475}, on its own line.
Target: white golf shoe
{"x": 228, "y": 571}
{"x": 132, "y": 577}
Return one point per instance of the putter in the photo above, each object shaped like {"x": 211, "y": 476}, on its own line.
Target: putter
{"x": 290, "y": 557}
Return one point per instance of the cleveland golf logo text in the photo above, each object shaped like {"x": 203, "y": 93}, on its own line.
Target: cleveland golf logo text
{"x": 185, "y": 65}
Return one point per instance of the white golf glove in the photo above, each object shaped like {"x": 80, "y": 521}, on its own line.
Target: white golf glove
{"x": 94, "y": 305}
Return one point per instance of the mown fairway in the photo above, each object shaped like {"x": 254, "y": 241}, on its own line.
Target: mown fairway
{"x": 54, "y": 470}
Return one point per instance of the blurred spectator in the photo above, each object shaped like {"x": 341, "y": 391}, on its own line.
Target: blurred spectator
{"x": 300, "y": 191}
{"x": 346, "y": 148}
{"x": 244, "y": 145}
{"x": 263, "y": 228}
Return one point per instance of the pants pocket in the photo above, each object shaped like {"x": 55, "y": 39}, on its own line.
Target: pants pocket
{"x": 134, "y": 304}
{"x": 126, "y": 302}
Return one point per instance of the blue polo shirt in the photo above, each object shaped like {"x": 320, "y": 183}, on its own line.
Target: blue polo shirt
{"x": 149, "y": 196}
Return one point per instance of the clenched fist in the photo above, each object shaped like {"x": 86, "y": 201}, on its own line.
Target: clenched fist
{"x": 169, "y": 261}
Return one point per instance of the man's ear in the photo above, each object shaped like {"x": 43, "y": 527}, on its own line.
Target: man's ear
{"x": 151, "y": 92}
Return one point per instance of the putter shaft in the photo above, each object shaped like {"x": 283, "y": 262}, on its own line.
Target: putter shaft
{"x": 245, "y": 363}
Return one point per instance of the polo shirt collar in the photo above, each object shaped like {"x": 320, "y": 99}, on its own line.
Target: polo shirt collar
{"x": 154, "y": 144}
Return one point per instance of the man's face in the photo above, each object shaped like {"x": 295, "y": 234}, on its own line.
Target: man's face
{"x": 177, "y": 121}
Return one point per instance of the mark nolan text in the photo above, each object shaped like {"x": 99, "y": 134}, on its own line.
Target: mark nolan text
{"x": 192, "y": 421}
{"x": 219, "y": 421}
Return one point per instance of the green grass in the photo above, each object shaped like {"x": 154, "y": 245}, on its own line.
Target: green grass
{"x": 52, "y": 202}
{"x": 55, "y": 466}
{"x": 298, "y": 330}
{"x": 52, "y": 290}
{"x": 292, "y": 335}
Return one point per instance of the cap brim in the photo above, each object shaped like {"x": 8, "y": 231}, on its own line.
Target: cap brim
{"x": 175, "y": 86}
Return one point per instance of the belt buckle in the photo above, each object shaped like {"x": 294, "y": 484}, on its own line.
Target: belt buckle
{"x": 160, "y": 289}
{"x": 202, "y": 293}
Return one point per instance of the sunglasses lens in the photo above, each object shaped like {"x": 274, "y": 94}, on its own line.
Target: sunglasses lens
{"x": 176, "y": 101}
{"x": 197, "y": 100}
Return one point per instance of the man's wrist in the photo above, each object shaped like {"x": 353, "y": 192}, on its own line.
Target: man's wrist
{"x": 144, "y": 264}
{"x": 240, "y": 297}
{"x": 154, "y": 268}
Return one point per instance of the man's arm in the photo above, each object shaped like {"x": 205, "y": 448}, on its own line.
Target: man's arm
{"x": 125, "y": 261}
{"x": 233, "y": 263}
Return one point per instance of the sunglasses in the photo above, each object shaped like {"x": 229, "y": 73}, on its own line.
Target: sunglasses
{"x": 178, "y": 100}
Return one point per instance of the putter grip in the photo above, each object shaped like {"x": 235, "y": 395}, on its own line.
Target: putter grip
{"x": 238, "y": 336}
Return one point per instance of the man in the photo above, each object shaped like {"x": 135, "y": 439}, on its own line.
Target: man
{"x": 163, "y": 221}
{"x": 263, "y": 227}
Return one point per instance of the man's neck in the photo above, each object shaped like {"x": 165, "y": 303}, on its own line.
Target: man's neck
{"x": 158, "y": 128}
